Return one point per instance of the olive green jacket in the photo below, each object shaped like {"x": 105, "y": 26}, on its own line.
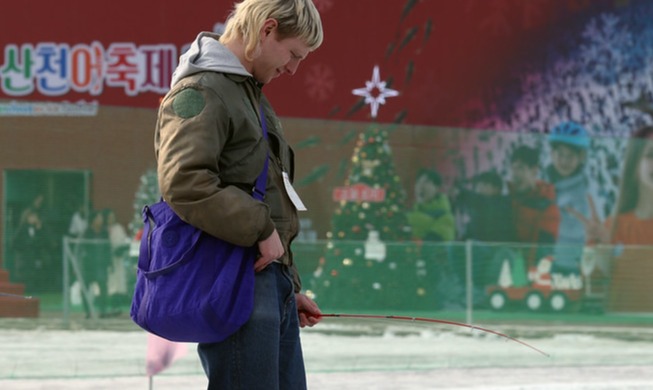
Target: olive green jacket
{"x": 210, "y": 149}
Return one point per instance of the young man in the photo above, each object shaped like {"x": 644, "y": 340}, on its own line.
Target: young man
{"x": 210, "y": 149}
{"x": 488, "y": 209}
{"x": 569, "y": 144}
{"x": 535, "y": 211}
{"x": 431, "y": 218}
{"x": 487, "y": 205}
{"x": 432, "y": 223}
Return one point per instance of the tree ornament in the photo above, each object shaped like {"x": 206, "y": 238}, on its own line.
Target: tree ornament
{"x": 369, "y": 166}
{"x": 375, "y": 249}
{"x": 505, "y": 276}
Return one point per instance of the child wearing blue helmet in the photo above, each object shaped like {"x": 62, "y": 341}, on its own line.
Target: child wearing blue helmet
{"x": 569, "y": 142}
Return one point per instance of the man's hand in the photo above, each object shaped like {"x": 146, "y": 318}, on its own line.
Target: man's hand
{"x": 595, "y": 230}
{"x": 309, "y": 312}
{"x": 269, "y": 249}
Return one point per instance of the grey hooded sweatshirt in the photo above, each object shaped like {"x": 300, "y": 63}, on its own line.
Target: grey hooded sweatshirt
{"x": 207, "y": 54}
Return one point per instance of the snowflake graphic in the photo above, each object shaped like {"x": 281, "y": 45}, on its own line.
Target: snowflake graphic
{"x": 565, "y": 75}
{"x": 606, "y": 52}
{"x": 375, "y": 91}
{"x": 597, "y": 86}
{"x": 320, "y": 82}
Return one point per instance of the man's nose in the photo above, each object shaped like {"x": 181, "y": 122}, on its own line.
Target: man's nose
{"x": 292, "y": 67}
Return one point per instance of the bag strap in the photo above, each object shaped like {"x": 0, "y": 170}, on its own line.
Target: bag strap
{"x": 258, "y": 192}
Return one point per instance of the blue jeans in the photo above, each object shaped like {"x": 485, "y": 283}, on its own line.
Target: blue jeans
{"x": 266, "y": 352}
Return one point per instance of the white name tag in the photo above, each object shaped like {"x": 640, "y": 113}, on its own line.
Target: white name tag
{"x": 294, "y": 197}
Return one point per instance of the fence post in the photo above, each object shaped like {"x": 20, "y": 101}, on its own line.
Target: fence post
{"x": 66, "y": 285}
{"x": 469, "y": 281}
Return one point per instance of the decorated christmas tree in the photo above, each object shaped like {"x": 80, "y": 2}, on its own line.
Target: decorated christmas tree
{"x": 370, "y": 261}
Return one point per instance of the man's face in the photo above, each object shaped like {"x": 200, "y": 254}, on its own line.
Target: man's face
{"x": 566, "y": 160}
{"x": 277, "y": 57}
{"x": 524, "y": 177}
{"x": 425, "y": 189}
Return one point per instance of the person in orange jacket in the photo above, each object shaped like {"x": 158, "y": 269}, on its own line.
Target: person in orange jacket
{"x": 536, "y": 215}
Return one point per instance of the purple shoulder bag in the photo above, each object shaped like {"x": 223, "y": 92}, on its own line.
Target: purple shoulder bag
{"x": 191, "y": 286}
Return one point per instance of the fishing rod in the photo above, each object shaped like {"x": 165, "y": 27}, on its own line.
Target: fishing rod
{"x": 8, "y": 295}
{"x": 432, "y": 320}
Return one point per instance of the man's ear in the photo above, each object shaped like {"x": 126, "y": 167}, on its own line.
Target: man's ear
{"x": 268, "y": 26}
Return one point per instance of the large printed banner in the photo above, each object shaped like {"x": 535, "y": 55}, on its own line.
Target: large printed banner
{"x": 60, "y": 70}
{"x": 81, "y": 53}
{"x": 51, "y": 69}
{"x": 496, "y": 64}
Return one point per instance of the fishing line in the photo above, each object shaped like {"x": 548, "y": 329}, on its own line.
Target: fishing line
{"x": 2, "y": 294}
{"x": 433, "y": 320}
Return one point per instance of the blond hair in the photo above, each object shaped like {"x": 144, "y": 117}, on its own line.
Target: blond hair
{"x": 295, "y": 18}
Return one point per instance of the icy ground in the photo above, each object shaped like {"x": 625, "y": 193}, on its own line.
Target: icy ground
{"x": 346, "y": 354}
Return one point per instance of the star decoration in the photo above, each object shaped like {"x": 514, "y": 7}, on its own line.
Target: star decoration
{"x": 375, "y": 92}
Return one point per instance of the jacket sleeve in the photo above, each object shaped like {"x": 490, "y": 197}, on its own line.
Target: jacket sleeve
{"x": 549, "y": 227}
{"x": 445, "y": 225}
{"x": 550, "y": 224}
{"x": 193, "y": 128}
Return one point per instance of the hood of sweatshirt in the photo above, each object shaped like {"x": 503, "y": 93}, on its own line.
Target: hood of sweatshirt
{"x": 206, "y": 53}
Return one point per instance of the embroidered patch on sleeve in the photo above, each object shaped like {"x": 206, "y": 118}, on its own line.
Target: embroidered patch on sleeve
{"x": 188, "y": 103}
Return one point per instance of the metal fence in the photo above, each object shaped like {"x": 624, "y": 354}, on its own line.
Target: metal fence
{"x": 410, "y": 276}
{"x": 478, "y": 276}
{"x": 98, "y": 275}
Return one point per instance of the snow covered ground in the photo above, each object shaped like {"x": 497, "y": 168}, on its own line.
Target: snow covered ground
{"x": 347, "y": 354}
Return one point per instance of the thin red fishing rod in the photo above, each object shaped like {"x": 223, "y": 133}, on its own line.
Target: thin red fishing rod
{"x": 435, "y": 320}
{"x": 2, "y": 294}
